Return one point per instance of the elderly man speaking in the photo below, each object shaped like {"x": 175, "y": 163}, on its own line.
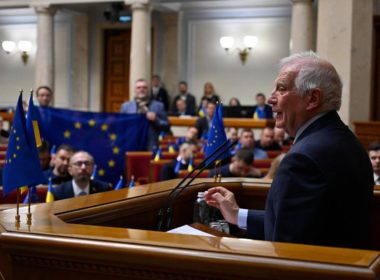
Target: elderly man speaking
{"x": 323, "y": 189}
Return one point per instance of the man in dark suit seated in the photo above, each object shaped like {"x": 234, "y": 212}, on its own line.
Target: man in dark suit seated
{"x": 323, "y": 189}
{"x": 204, "y": 123}
{"x": 60, "y": 164}
{"x": 80, "y": 168}
{"x": 240, "y": 166}
{"x": 186, "y": 153}
{"x": 266, "y": 141}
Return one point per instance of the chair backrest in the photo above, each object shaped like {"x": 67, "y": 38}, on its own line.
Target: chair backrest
{"x": 137, "y": 164}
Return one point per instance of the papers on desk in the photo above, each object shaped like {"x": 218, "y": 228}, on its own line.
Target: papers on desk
{"x": 189, "y": 230}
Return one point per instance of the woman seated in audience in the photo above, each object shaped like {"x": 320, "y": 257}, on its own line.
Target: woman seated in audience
{"x": 209, "y": 93}
{"x": 234, "y": 102}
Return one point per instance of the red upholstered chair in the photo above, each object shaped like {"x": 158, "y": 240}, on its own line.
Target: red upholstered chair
{"x": 137, "y": 164}
{"x": 2, "y": 155}
{"x": 262, "y": 163}
{"x": 3, "y": 147}
{"x": 273, "y": 154}
{"x": 12, "y": 196}
{"x": 155, "y": 169}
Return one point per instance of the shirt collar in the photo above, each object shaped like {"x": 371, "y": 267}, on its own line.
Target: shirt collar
{"x": 306, "y": 125}
{"x": 77, "y": 190}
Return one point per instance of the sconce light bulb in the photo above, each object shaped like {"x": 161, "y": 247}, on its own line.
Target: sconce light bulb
{"x": 8, "y": 46}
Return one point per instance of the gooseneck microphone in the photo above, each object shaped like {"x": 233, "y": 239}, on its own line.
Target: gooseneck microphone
{"x": 164, "y": 215}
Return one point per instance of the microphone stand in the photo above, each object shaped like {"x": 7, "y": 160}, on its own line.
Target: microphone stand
{"x": 165, "y": 215}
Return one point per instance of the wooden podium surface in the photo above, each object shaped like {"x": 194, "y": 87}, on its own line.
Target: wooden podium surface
{"x": 111, "y": 236}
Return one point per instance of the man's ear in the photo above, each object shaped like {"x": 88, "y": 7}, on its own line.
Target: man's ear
{"x": 314, "y": 98}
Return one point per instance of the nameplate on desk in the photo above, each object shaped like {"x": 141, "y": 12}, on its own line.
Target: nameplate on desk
{"x": 186, "y": 229}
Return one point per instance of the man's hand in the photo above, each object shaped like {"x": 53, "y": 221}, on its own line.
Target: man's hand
{"x": 151, "y": 116}
{"x": 224, "y": 200}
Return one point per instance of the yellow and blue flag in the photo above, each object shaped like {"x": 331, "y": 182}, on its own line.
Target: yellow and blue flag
{"x": 32, "y": 194}
{"x": 190, "y": 167}
{"x": 22, "y": 165}
{"x": 158, "y": 155}
{"x": 49, "y": 194}
{"x": 216, "y": 136}
{"x": 106, "y": 136}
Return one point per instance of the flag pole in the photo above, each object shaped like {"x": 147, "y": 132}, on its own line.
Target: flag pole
{"x": 17, "y": 217}
{"x": 29, "y": 215}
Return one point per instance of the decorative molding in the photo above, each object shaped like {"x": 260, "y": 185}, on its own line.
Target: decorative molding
{"x": 132, "y": 273}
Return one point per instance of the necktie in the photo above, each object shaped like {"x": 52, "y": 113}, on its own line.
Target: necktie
{"x": 82, "y": 193}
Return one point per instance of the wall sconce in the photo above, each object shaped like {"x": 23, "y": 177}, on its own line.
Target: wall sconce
{"x": 23, "y": 46}
{"x": 228, "y": 42}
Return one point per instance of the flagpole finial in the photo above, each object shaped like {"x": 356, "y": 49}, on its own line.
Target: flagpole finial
{"x": 20, "y": 90}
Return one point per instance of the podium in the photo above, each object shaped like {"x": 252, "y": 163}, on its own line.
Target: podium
{"x": 112, "y": 235}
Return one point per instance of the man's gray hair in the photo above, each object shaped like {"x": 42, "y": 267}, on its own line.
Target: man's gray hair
{"x": 316, "y": 72}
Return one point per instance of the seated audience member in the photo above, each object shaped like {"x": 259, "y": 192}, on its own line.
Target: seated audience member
{"x": 274, "y": 166}
{"x": 241, "y": 166}
{"x": 44, "y": 155}
{"x": 203, "y": 123}
{"x": 209, "y": 93}
{"x": 232, "y": 135}
{"x": 266, "y": 141}
{"x": 170, "y": 170}
{"x": 374, "y": 156}
{"x": 80, "y": 168}
{"x": 247, "y": 140}
{"x": 153, "y": 110}
{"x": 60, "y": 164}
{"x": 190, "y": 137}
{"x": 44, "y": 96}
{"x": 4, "y": 135}
{"x": 279, "y": 137}
{"x": 186, "y": 96}
{"x": 181, "y": 109}
{"x": 202, "y": 111}
{"x": 158, "y": 92}
{"x": 262, "y": 110}
{"x": 234, "y": 102}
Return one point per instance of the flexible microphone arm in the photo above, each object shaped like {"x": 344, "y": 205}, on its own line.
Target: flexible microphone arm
{"x": 165, "y": 211}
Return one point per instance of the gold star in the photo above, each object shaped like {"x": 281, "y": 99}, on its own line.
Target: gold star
{"x": 115, "y": 150}
{"x": 9, "y": 160}
{"x": 14, "y": 130}
{"x": 104, "y": 127}
{"x": 111, "y": 163}
{"x": 14, "y": 155}
{"x": 17, "y": 138}
{"x": 67, "y": 134}
{"x": 91, "y": 123}
{"x": 101, "y": 172}
{"x": 113, "y": 136}
{"x": 18, "y": 147}
{"x": 78, "y": 125}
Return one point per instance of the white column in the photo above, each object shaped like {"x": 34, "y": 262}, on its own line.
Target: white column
{"x": 45, "y": 46}
{"x": 345, "y": 38}
{"x": 302, "y": 27}
{"x": 140, "y": 62}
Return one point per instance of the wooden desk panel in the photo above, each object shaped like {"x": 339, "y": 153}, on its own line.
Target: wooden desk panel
{"x": 228, "y": 122}
{"x": 75, "y": 238}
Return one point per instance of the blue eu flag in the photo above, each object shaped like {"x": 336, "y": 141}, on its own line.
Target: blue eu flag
{"x": 216, "y": 135}
{"x": 106, "y": 136}
{"x": 22, "y": 165}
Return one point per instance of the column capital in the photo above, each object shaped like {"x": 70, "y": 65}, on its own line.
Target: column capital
{"x": 302, "y": 1}
{"x": 44, "y": 9}
{"x": 137, "y": 3}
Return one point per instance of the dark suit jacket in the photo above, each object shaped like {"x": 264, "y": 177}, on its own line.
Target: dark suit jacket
{"x": 65, "y": 190}
{"x": 202, "y": 125}
{"x": 322, "y": 192}
{"x": 190, "y": 103}
{"x": 167, "y": 171}
{"x": 162, "y": 96}
{"x": 267, "y": 111}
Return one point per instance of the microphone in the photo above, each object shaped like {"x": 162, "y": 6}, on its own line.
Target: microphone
{"x": 165, "y": 210}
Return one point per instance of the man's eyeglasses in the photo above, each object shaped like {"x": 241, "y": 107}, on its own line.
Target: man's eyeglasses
{"x": 80, "y": 163}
